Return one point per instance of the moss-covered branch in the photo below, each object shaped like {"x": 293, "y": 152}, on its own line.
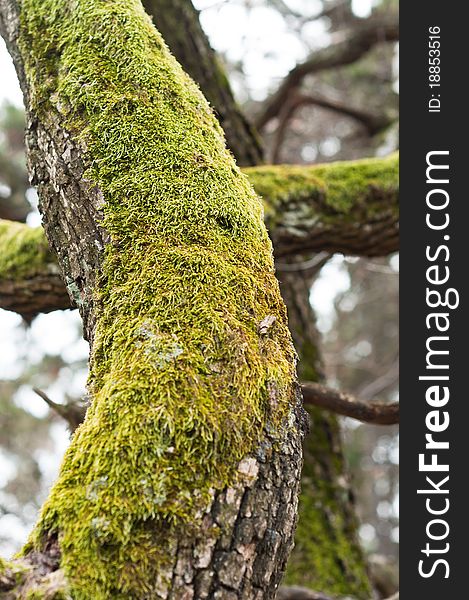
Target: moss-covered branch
{"x": 350, "y": 207}
{"x": 182, "y": 481}
{"x": 30, "y": 280}
{"x": 341, "y": 207}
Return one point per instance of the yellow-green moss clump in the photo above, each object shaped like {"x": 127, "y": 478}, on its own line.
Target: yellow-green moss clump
{"x": 326, "y": 191}
{"x": 179, "y": 374}
{"x": 24, "y": 251}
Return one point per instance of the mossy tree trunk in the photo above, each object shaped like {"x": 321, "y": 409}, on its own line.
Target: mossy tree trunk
{"x": 182, "y": 481}
{"x": 338, "y": 209}
{"x": 352, "y": 207}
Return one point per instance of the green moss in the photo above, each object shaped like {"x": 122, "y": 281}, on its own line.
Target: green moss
{"x": 23, "y": 251}
{"x": 327, "y": 555}
{"x": 179, "y": 375}
{"x": 323, "y": 192}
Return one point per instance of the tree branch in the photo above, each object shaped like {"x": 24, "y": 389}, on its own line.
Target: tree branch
{"x": 349, "y": 207}
{"x": 373, "y": 122}
{"x": 38, "y": 294}
{"x": 350, "y": 47}
{"x": 30, "y": 280}
{"x": 348, "y": 406}
{"x": 73, "y": 413}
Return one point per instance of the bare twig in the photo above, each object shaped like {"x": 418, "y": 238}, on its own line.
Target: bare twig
{"x": 72, "y": 412}
{"x": 372, "y": 122}
{"x": 348, "y": 406}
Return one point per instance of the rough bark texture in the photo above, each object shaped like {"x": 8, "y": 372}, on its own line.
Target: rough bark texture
{"x": 182, "y": 481}
{"x": 327, "y": 556}
{"x": 178, "y": 22}
{"x": 29, "y": 297}
{"x": 351, "y": 207}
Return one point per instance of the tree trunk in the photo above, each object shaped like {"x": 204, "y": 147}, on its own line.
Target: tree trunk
{"x": 327, "y": 556}
{"x": 182, "y": 481}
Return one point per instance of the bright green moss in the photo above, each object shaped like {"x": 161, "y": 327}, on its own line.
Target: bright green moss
{"x": 23, "y": 251}
{"x": 179, "y": 373}
{"x": 326, "y": 191}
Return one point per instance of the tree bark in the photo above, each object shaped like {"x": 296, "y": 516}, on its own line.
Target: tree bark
{"x": 178, "y": 22}
{"x": 327, "y": 556}
{"x": 182, "y": 481}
